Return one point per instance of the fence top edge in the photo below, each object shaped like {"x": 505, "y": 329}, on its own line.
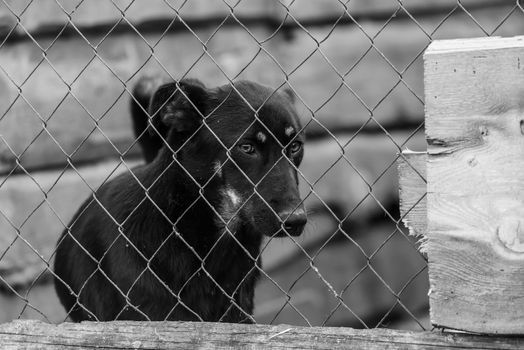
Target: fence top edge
{"x": 439, "y": 47}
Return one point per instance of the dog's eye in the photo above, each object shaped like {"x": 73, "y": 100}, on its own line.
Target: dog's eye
{"x": 247, "y": 148}
{"x": 295, "y": 147}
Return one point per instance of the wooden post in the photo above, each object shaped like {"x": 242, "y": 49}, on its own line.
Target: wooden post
{"x": 475, "y": 184}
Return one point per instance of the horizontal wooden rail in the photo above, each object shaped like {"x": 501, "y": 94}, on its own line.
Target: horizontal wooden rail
{"x": 190, "y": 335}
{"x": 46, "y": 19}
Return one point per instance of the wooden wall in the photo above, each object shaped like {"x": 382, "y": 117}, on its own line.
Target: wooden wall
{"x": 65, "y": 77}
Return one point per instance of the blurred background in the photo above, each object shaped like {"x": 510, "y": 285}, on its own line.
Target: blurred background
{"x": 66, "y": 72}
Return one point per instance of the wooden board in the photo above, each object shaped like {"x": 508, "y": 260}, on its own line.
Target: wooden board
{"x": 314, "y": 11}
{"x": 43, "y": 15}
{"x": 412, "y": 185}
{"x": 187, "y": 335}
{"x": 298, "y": 294}
{"x": 92, "y": 120}
{"x": 279, "y": 252}
{"x": 34, "y": 211}
{"x": 474, "y": 130}
{"x": 39, "y": 303}
{"x": 100, "y": 89}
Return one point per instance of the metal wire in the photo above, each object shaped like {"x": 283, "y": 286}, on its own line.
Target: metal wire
{"x": 289, "y": 19}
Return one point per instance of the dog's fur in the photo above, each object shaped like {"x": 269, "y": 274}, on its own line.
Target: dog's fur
{"x": 150, "y": 139}
{"x": 179, "y": 237}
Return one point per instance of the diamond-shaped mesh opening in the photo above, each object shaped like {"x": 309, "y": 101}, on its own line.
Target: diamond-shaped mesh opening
{"x": 208, "y": 251}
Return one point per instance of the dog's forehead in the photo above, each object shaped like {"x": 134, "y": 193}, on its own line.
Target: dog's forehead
{"x": 254, "y": 104}
{"x": 280, "y": 120}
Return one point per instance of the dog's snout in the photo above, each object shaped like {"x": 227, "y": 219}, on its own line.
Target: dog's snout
{"x": 294, "y": 221}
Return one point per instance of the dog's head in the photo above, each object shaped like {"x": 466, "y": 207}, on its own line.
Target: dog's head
{"x": 242, "y": 144}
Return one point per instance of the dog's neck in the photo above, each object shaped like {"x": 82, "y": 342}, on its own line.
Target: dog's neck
{"x": 171, "y": 187}
{"x": 185, "y": 203}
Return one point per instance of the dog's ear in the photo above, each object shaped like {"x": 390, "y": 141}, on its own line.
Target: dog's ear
{"x": 179, "y": 106}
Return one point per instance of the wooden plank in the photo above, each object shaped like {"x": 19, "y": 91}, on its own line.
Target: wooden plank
{"x": 39, "y": 216}
{"x": 474, "y": 129}
{"x": 311, "y": 10}
{"x": 412, "y": 185}
{"x": 43, "y": 15}
{"x": 92, "y": 120}
{"x": 38, "y": 303}
{"x": 278, "y": 252}
{"x": 339, "y": 173}
{"x": 188, "y": 335}
{"x": 298, "y": 294}
{"x": 34, "y": 211}
{"x": 104, "y": 97}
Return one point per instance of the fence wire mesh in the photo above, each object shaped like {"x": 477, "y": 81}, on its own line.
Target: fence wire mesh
{"x": 355, "y": 71}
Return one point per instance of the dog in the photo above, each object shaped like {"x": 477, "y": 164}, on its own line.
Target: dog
{"x": 179, "y": 237}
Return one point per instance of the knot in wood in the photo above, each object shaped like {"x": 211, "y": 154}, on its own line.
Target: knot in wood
{"x": 483, "y": 130}
{"x": 511, "y": 234}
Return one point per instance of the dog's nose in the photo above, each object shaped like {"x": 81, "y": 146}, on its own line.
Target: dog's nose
{"x": 294, "y": 222}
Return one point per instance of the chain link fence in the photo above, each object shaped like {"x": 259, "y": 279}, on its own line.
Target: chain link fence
{"x": 68, "y": 70}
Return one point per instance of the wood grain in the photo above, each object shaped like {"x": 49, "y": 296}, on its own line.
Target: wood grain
{"x": 44, "y": 14}
{"x": 412, "y": 191}
{"x": 187, "y": 335}
{"x": 475, "y": 134}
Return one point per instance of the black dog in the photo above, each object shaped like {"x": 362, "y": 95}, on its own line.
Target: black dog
{"x": 179, "y": 238}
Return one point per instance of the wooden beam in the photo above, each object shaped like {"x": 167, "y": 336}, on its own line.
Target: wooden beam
{"x": 50, "y": 16}
{"x": 475, "y": 174}
{"x": 315, "y": 11}
{"x": 412, "y": 191}
{"x": 191, "y": 335}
